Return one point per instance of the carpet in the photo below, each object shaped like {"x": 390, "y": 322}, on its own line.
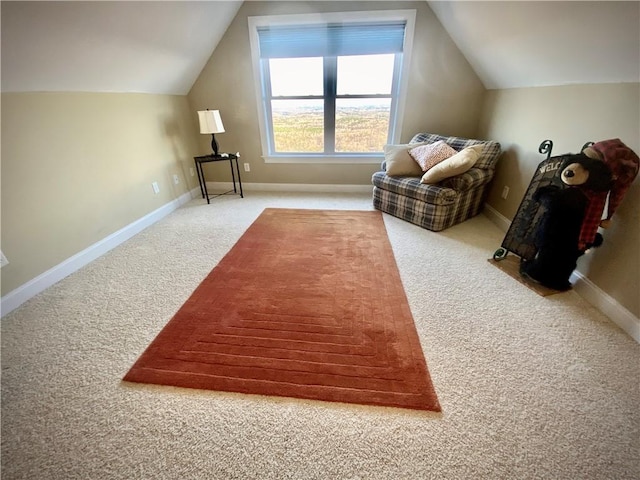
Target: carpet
{"x": 511, "y": 266}
{"x": 307, "y": 304}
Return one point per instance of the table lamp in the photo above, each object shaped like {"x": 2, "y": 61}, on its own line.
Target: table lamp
{"x": 210, "y": 122}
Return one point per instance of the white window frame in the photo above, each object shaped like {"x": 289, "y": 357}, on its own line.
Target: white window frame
{"x": 395, "y": 129}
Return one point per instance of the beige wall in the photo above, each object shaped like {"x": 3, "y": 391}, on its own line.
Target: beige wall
{"x": 444, "y": 93}
{"x": 77, "y": 167}
{"x": 570, "y": 116}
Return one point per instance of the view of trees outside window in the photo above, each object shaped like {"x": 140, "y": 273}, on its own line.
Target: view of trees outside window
{"x": 362, "y": 124}
{"x": 362, "y": 103}
{"x": 298, "y": 125}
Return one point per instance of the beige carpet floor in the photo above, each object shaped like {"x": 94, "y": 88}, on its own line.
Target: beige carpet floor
{"x": 531, "y": 387}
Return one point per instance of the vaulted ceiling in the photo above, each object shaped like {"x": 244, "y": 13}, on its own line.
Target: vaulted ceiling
{"x": 147, "y": 47}
{"x": 161, "y": 47}
{"x": 532, "y": 44}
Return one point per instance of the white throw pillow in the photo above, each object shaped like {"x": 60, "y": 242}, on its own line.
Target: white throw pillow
{"x": 399, "y": 162}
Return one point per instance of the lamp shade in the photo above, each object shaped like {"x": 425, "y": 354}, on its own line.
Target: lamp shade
{"x": 210, "y": 121}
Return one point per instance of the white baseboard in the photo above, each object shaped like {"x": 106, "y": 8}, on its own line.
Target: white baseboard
{"x": 17, "y": 297}
{"x": 292, "y": 187}
{"x": 502, "y": 222}
{"x": 585, "y": 288}
{"x": 622, "y": 317}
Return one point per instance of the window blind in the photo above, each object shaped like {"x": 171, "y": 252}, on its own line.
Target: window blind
{"x": 321, "y": 40}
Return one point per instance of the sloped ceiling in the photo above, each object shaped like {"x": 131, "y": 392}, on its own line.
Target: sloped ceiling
{"x": 161, "y": 47}
{"x": 533, "y": 44}
{"x": 147, "y": 47}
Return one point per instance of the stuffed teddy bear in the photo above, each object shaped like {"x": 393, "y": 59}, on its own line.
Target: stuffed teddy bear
{"x": 558, "y": 233}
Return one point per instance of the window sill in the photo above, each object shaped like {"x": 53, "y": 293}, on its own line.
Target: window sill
{"x": 328, "y": 159}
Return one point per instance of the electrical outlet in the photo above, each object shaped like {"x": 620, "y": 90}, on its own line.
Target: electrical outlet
{"x": 247, "y": 168}
{"x": 192, "y": 172}
{"x": 3, "y": 260}
{"x": 505, "y": 192}
{"x": 176, "y": 179}
{"x": 156, "y": 188}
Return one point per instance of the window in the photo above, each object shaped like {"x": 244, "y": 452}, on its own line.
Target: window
{"x": 330, "y": 87}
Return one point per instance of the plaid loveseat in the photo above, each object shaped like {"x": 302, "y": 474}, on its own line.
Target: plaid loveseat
{"x": 436, "y": 207}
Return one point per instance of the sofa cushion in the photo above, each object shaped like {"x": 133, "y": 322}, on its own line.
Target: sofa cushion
{"x": 431, "y": 154}
{"x": 474, "y": 178}
{"x": 454, "y": 165}
{"x": 411, "y": 187}
{"x": 488, "y": 157}
{"x": 398, "y": 162}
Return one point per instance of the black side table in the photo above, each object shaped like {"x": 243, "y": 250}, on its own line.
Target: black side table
{"x": 217, "y": 158}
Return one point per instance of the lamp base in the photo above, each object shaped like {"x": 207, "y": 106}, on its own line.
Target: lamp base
{"x": 214, "y": 144}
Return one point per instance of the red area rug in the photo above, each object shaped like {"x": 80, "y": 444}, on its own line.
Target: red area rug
{"x": 307, "y": 304}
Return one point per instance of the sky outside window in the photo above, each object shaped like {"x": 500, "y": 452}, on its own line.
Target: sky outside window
{"x": 365, "y": 74}
{"x": 296, "y": 76}
{"x": 357, "y": 75}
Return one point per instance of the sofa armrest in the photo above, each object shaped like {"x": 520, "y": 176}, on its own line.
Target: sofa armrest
{"x": 412, "y": 188}
{"x": 473, "y": 178}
